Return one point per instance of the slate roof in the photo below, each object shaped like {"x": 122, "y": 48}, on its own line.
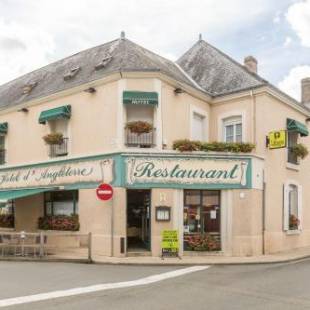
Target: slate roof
{"x": 126, "y": 56}
{"x": 216, "y": 72}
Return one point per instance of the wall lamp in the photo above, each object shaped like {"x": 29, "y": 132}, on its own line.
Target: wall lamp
{"x": 90, "y": 90}
{"x": 25, "y": 110}
{"x": 178, "y": 90}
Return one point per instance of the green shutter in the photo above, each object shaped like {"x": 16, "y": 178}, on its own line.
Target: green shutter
{"x": 293, "y": 125}
{"x": 3, "y": 128}
{"x": 56, "y": 113}
{"x": 139, "y": 97}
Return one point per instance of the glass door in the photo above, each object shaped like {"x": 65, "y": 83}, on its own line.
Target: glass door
{"x": 202, "y": 220}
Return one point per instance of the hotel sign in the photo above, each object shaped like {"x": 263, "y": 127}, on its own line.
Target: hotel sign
{"x": 277, "y": 139}
{"x": 57, "y": 174}
{"x": 188, "y": 171}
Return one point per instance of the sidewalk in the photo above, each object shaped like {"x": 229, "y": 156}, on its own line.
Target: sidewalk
{"x": 281, "y": 257}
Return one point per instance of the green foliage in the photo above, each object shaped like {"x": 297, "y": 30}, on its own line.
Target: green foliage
{"x": 186, "y": 145}
{"x": 59, "y": 222}
{"x": 54, "y": 138}
{"x": 189, "y": 146}
{"x": 139, "y": 127}
{"x": 300, "y": 150}
{"x": 204, "y": 242}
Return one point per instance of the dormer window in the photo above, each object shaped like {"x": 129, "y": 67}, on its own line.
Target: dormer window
{"x": 106, "y": 59}
{"x": 72, "y": 73}
{"x": 29, "y": 87}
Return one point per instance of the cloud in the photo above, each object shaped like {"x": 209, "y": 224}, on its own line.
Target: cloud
{"x": 291, "y": 84}
{"x": 298, "y": 15}
{"x": 55, "y": 29}
{"x": 287, "y": 42}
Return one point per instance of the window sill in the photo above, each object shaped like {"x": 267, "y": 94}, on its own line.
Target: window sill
{"x": 291, "y": 166}
{"x": 6, "y": 229}
{"x": 293, "y": 232}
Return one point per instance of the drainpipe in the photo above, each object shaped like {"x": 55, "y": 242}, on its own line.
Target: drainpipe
{"x": 253, "y": 116}
{"x": 263, "y": 176}
{"x": 264, "y": 215}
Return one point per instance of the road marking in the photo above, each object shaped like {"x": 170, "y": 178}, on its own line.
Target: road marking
{"x": 99, "y": 287}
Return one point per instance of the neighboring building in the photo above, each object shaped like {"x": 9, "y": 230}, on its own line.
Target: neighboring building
{"x": 246, "y": 203}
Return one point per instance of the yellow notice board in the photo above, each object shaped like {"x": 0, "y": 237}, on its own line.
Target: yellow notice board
{"x": 277, "y": 139}
{"x": 170, "y": 240}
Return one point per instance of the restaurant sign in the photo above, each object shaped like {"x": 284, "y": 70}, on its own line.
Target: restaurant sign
{"x": 188, "y": 171}
{"x": 57, "y": 174}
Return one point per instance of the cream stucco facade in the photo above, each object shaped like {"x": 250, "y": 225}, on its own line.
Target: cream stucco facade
{"x": 251, "y": 215}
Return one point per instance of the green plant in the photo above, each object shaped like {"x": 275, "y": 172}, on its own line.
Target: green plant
{"x": 300, "y": 150}
{"x": 139, "y": 127}
{"x": 7, "y": 220}
{"x": 186, "y": 145}
{"x": 59, "y": 222}
{"x": 294, "y": 222}
{"x": 54, "y": 138}
{"x": 203, "y": 242}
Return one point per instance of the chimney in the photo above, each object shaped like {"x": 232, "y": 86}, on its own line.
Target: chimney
{"x": 305, "y": 91}
{"x": 251, "y": 64}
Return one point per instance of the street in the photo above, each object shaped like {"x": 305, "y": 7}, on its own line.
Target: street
{"x": 277, "y": 286}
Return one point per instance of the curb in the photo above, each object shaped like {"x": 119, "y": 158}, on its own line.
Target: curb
{"x": 262, "y": 262}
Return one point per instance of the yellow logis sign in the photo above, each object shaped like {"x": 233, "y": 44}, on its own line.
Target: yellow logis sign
{"x": 277, "y": 139}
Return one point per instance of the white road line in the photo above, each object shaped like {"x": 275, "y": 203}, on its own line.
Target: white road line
{"x": 99, "y": 287}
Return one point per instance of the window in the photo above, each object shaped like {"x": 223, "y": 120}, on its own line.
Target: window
{"x": 292, "y": 207}
{"x": 201, "y": 220}
{"x": 7, "y": 208}
{"x": 2, "y": 149}
{"x": 198, "y": 127}
{"x": 61, "y": 203}
{"x": 292, "y": 140}
{"x": 232, "y": 129}
{"x": 140, "y": 114}
{"x": 59, "y": 126}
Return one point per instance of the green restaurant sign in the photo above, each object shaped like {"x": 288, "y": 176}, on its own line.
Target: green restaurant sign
{"x": 188, "y": 171}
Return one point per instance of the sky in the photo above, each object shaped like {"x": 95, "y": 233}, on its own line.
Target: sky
{"x": 276, "y": 32}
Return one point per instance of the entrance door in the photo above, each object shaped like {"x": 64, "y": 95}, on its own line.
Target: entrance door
{"x": 138, "y": 220}
{"x": 202, "y": 220}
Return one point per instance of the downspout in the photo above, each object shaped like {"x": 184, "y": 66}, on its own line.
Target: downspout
{"x": 254, "y": 140}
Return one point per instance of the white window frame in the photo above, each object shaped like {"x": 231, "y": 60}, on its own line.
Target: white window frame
{"x": 286, "y": 205}
{"x": 204, "y": 114}
{"x": 221, "y": 121}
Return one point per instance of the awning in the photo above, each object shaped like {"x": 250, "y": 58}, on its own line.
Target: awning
{"x": 139, "y": 97}
{"x": 3, "y": 128}
{"x": 19, "y": 193}
{"x": 293, "y": 125}
{"x": 56, "y": 113}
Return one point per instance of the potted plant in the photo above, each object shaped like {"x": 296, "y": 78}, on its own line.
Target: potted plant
{"x": 294, "y": 222}
{"x": 59, "y": 222}
{"x": 300, "y": 150}
{"x": 53, "y": 138}
{"x": 139, "y": 127}
{"x": 186, "y": 145}
{"x": 204, "y": 242}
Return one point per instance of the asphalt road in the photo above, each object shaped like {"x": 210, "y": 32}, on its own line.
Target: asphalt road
{"x": 281, "y": 286}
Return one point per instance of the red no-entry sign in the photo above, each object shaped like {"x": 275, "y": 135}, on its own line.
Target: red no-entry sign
{"x": 104, "y": 191}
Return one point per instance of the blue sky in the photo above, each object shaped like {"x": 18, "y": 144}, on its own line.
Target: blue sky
{"x": 34, "y": 33}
